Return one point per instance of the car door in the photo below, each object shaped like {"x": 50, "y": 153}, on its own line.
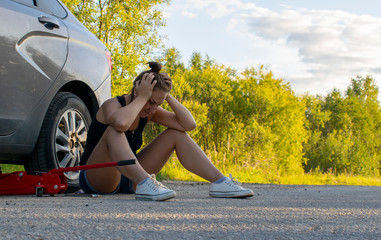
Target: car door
{"x": 33, "y": 50}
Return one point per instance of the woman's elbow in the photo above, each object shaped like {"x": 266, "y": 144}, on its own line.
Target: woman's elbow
{"x": 191, "y": 126}
{"x": 120, "y": 126}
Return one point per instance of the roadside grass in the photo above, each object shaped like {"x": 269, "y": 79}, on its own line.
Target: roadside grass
{"x": 174, "y": 171}
{"x": 8, "y": 168}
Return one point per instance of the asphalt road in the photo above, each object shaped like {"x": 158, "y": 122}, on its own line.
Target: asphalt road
{"x": 276, "y": 212}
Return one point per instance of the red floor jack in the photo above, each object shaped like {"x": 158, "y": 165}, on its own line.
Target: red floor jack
{"x": 39, "y": 183}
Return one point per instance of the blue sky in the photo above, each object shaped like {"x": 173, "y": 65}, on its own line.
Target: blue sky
{"x": 315, "y": 45}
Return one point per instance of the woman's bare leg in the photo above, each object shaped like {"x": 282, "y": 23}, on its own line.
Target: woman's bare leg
{"x": 113, "y": 146}
{"x": 153, "y": 157}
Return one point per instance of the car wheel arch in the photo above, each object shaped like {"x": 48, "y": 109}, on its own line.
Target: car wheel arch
{"x": 84, "y": 92}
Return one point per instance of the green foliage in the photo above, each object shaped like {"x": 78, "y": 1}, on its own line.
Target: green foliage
{"x": 254, "y": 123}
{"x": 8, "y": 168}
{"x": 128, "y": 28}
{"x": 250, "y": 124}
{"x": 251, "y": 121}
{"x": 345, "y": 130}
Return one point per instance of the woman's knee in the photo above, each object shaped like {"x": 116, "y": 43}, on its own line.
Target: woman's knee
{"x": 113, "y": 137}
{"x": 112, "y": 133}
{"x": 173, "y": 133}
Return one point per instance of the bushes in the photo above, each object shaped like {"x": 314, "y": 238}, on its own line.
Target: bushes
{"x": 345, "y": 130}
{"x": 249, "y": 122}
{"x": 252, "y": 122}
{"x": 255, "y": 123}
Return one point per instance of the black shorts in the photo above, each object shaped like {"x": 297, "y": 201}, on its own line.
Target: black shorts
{"x": 125, "y": 185}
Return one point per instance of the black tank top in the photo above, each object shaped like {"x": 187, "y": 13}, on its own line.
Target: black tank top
{"x": 96, "y": 130}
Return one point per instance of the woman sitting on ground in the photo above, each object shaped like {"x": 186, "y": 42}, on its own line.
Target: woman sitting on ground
{"x": 116, "y": 134}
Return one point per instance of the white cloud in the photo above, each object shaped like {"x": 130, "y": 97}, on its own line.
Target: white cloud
{"x": 312, "y": 49}
{"x": 286, "y": 6}
{"x": 214, "y": 8}
{"x": 333, "y": 45}
{"x": 188, "y": 14}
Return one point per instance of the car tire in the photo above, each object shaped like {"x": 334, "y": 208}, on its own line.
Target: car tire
{"x": 62, "y": 137}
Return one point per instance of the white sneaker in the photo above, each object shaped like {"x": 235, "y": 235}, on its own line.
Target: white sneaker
{"x": 229, "y": 188}
{"x": 153, "y": 190}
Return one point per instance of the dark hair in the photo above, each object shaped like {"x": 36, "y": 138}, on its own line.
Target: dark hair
{"x": 163, "y": 82}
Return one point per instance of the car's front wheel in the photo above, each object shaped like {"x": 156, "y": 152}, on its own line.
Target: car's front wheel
{"x": 62, "y": 137}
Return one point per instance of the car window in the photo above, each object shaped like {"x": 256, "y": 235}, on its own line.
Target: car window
{"x": 49, "y": 6}
{"x": 52, "y": 7}
{"x": 30, "y": 3}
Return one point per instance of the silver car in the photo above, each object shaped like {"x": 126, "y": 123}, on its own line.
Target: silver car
{"x": 54, "y": 75}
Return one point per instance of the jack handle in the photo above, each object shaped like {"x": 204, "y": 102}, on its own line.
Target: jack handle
{"x": 91, "y": 166}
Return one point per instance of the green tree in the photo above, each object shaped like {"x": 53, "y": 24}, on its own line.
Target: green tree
{"x": 274, "y": 107}
{"x": 329, "y": 133}
{"x": 172, "y": 61}
{"x": 249, "y": 121}
{"x": 364, "y": 110}
{"x": 129, "y": 29}
{"x": 345, "y": 130}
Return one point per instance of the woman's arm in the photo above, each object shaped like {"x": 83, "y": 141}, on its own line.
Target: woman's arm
{"x": 121, "y": 118}
{"x": 180, "y": 119}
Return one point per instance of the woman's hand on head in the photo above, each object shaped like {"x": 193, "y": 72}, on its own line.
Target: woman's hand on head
{"x": 167, "y": 79}
{"x": 145, "y": 86}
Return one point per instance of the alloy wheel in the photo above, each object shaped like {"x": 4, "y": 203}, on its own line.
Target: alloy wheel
{"x": 70, "y": 140}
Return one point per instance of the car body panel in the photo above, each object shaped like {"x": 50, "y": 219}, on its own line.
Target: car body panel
{"x": 82, "y": 68}
{"x": 36, "y": 58}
